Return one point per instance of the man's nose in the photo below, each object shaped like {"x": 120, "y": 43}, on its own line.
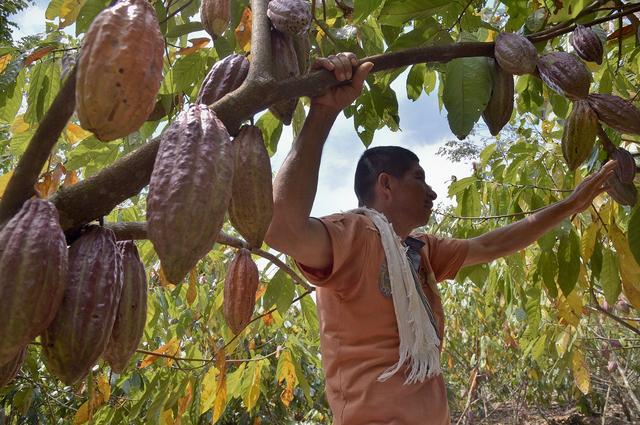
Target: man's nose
{"x": 431, "y": 193}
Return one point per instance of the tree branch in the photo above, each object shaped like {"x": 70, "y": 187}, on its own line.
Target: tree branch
{"x": 21, "y": 185}
{"x": 261, "y": 68}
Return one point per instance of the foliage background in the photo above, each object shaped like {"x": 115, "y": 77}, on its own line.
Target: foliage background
{"x": 532, "y": 329}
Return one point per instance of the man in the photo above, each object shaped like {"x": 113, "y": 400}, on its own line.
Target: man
{"x": 380, "y": 312}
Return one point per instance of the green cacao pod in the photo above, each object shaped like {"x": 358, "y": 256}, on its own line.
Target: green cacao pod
{"x": 616, "y": 112}
{"x": 587, "y": 44}
{"x": 131, "y": 315}
{"x": 286, "y": 66}
{"x": 515, "y": 53}
{"x": 80, "y": 331}
{"x": 215, "y": 16}
{"x": 579, "y": 134}
{"x": 251, "y": 206}
{"x": 290, "y": 16}
{"x": 224, "y": 77}
{"x": 9, "y": 370}
{"x": 498, "y": 111}
{"x": 565, "y": 74}
{"x": 118, "y": 80}
{"x": 33, "y": 274}
{"x": 240, "y": 287}
{"x": 189, "y": 190}
{"x": 622, "y": 193}
{"x": 626, "y": 168}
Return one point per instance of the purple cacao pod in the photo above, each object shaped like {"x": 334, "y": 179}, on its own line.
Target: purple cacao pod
{"x": 286, "y": 66}
{"x": 616, "y": 112}
{"x": 190, "y": 189}
{"x": 290, "y": 16}
{"x": 565, "y": 74}
{"x": 132, "y": 310}
{"x": 80, "y": 331}
{"x": 587, "y": 44}
{"x": 225, "y": 76}
{"x": 33, "y": 274}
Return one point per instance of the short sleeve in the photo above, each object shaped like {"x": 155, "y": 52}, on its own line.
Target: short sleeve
{"x": 446, "y": 256}
{"x": 348, "y": 234}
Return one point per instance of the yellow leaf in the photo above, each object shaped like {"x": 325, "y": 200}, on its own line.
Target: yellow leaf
{"x": 267, "y": 319}
{"x": 220, "y": 402}
{"x": 208, "y": 391}
{"x": 19, "y": 125}
{"x": 74, "y": 133}
{"x": 88, "y": 407}
{"x": 262, "y": 288}
{"x": 196, "y": 44}
{"x": 4, "y": 180}
{"x": 562, "y": 343}
{"x": 253, "y": 392}
{"x": 243, "y": 30}
{"x": 287, "y": 372}
{"x": 570, "y": 308}
{"x": 104, "y": 389}
{"x": 588, "y": 241}
{"x": 4, "y": 62}
{"x": 164, "y": 281}
{"x": 580, "y": 372}
{"x": 183, "y": 403}
{"x": 192, "y": 291}
{"x": 82, "y": 415}
{"x": 171, "y": 348}
{"x": 38, "y": 54}
{"x": 70, "y": 178}
{"x": 69, "y": 11}
{"x": 167, "y": 418}
{"x": 629, "y": 268}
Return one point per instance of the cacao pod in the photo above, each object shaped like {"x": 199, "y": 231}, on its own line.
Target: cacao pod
{"x": 587, "y": 44}
{"x": 515, "y": 53}
{"x": 215, "y": 16}
{"x": 118, "y": 80}
{"x": 622, "y": 193}
{"x": 33, "y": 274}
{"x": 579, "y": 134}
{"x": 498, "y": 111}
{"x": 302, "y": 47}
{"x": 251, "y": 206}
{"x": 565, "y": 74}
{"x": 616, "y": 112}
{"x": 224, "y": 77}
{"x": 626, "y": 168}
{"x": 9, "y": 370}
{"x": 289, "y": 16}
{"x": 80, "y": 331}
{"x": 286, "y": 66}
{"x": 189, "y": 190}
{"x": 131, "y": 315}
{"x": 240, "y": 287}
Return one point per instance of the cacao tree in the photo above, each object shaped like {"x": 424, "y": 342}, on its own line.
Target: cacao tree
{"x": 229, "y": 341}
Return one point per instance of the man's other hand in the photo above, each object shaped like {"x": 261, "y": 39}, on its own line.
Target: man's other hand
{"x": 591, "y": 187}
{"x": 342, "y": 65}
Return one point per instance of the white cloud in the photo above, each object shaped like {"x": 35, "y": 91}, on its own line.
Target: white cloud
{"x": 30, "y": 21}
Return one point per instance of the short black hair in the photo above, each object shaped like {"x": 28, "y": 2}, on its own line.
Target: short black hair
{"x": 392, "y": 160}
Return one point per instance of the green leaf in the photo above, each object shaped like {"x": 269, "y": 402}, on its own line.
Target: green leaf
{"x": 634, "y": 233}
{"x": 8, "y": 76}
{"x": 467, "y": 88}
{"x": 415, "y": 81}
{"x": 280, "y": 292}
{"x": 43, "y": 88}
{"x": 88, "y": 13}
{"x": 189, "y": 71}
{"x": 609, "y": 277}
{"x": 11, "y": 99}
{"x": 385, "y": 104}
{"x": 568, "y": 261}
{"x": 310, "y": 313}
{"x": 548, "y": 269}
{"x": 182, "y": 29}
{"x": 397, "y": 12}
{"x": 271, "y": 130}
{"x": 363, "y": 8}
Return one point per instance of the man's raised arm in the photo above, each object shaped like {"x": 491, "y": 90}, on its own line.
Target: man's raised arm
{"x": 292, "y": 231}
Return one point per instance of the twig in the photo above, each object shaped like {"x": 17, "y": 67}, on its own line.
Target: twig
{"x": 175, "y": 12}
{"x": 604, "y": 408}
{"x": 612, "y": 316}
{"x": 21, "y": 185}
{"x": 460, "y": 17}
{"x": 490, "y": 217}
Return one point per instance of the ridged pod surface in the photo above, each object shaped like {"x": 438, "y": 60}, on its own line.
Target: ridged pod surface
{"x": 587, "y": 44}
{"x": 565, "y": 74}
{"x": 189, "y": 190}
{"x": 240, "y": 287}
{"x": 131, "y": 316}
{"x": 302, "y": 47}
{"x": 515, "y": 53}
{"x": 80, "y": 331}
{"x": 120, "y": 70}
{"x": 251, "y": 206}
{"x": 9, "y": 370}
{"x": 622, "y": 193}
{"x": 286, "y": 66}
{"x": 626, "y": 168}
{"x": 215, "y": 16}
{"x": 290, "y": 16}
{"x": 579, "y": 134}
{"x": 498, "y": 111}
{"x": 33, "y": 274}
{"x": 616, "y": 112}
{"x": 225, "y": 76}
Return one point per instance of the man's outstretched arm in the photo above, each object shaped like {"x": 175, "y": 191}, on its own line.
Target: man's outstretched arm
{"x": 514, "y": 237}
{"x": 292, "y": 231}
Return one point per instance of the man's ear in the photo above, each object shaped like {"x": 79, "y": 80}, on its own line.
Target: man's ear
{"x": 384, "y": 182}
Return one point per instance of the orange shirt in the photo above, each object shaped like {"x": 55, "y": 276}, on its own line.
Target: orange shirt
{"x": 359, "y": 335}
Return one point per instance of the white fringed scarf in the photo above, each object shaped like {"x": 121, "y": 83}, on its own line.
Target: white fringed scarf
{"x": 419, "y": 342}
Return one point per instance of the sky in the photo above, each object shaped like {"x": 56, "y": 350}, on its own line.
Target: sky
{"x": 424, "y": 131}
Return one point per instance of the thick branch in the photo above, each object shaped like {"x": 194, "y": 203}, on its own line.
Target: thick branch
{"x": 21, "y": 185}
{"x": 261, "y": 64}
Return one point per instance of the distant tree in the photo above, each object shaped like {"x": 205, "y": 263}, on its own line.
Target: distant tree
{"x": 8, "y": 8}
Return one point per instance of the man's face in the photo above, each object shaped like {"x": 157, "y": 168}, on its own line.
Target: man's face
{"x": 414, "y": 199}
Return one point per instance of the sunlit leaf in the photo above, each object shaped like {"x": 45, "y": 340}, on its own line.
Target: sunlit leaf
{"x": 580, "y": 372}
{"x": 4, "y": 61}
{"x": 609, "y": 277}
{"x": 254, "y": 375}
{"x": 192, "y": 290}
{"x": 74, "y": 133}
{"x": 629, "y": 268}
{"x": 208, "y": 391}
{"x": 243, "y": 30}
{"x": 286, "y": 371}
{"x": 196, "y": 44}
{"x": 171, "y": 348}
